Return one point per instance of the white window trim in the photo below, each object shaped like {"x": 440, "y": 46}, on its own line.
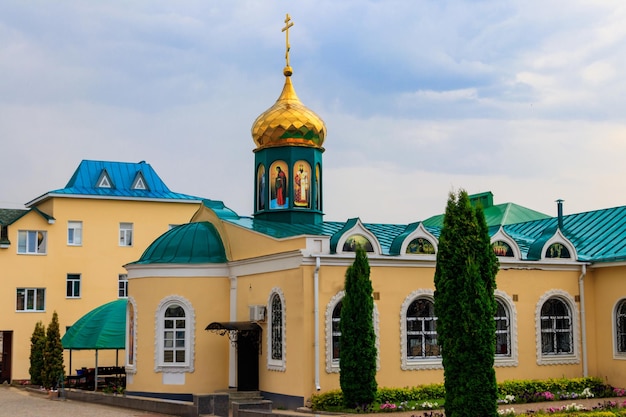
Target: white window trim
{"x": 415, "y": 364}
{"x": 503, "y": 361}
{"x": 125, "y": 286}
{"x": 420, "y": 232}
{"x": 359, "y": 229}
{"x": 125, "y": 231}
{"x": 558, "y": 237}
{"x": 131, "y": 369}
{"x": 25, "y": 310}
{"x": 80, "y": 285}
{"x": 75, "y": 225}
{"x": 274, "y": 364}
{"x": 190, "y": 335}
{"x": 562, "y": 359}
{"x": 502, "y": 236}
{"x": 44, "y": 243}
{"x": 332, "y": 366}
{"x": 616, "y": 354}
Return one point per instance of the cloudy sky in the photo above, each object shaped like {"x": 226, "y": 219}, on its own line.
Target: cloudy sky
{"x": 420, "y": 98}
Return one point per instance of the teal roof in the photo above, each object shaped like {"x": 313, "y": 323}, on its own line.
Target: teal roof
{"x": 498, "y": 214}
{"x": 598, "y": 236}
{"x": 192, "y": 243}
{"x": 116, "y": 180}
{"x": 103, "y": 327}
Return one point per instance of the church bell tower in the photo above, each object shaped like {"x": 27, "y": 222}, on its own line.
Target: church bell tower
{"x": 288, "y": 157}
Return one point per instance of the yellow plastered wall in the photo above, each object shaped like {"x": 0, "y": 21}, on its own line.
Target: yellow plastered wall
{"x": 99, "y": 260}
{"x": 209, "y": 299}
{"x": 610, "y": 289}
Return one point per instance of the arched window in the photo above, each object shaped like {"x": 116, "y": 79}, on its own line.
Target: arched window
{"x": 503, "y": 329}
{"x": 556, "y": 328}
{"x": 174, "y": 336}
{"x": 420, "y": 246}
{"x": 276, "y": 331}
{"x": 357, "y": 240}
{"x": 336, "y": 332}
{"x": 557, "y": 250}
{"x": 421, "y": 329}
{"x": 620, "y": 327}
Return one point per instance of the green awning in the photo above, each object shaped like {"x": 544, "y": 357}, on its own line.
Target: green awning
{"x": 102, "y": 328}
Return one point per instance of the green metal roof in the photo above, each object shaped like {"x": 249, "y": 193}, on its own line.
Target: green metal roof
{"x": 498, "y": 214}
{"x": 102, "y": 328}
{"x": 9, "y": 216}
{"x": 193, "y": 243}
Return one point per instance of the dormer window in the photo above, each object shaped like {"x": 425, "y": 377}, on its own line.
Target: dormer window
{"x": 357, "y": 240}
{"x": 104, "y": 181}
{"x": 557, "y": 250}
{"x": 139, "y": 183}
{"x": 420, "y": 246}
{"x": 501, "y": 248}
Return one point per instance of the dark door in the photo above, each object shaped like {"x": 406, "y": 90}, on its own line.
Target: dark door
{"x": 5, "y": 365}
{"x": 248, "y": 361}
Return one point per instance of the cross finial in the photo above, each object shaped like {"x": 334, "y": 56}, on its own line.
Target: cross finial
{"x": 288, "y": 24}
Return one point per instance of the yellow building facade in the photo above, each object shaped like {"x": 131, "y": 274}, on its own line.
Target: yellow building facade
{"x": 65, "y": 252}
{"x": 253, "y": 303}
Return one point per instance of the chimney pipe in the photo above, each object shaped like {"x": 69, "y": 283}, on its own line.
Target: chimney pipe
{"x": 559, "y": 208}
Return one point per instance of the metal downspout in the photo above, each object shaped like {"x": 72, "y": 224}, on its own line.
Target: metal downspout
{"x": 583, "y": 321}
{"x": 316, "y": 295}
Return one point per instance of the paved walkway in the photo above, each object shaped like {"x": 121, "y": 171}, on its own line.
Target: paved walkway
{"x": 19, "y": 402}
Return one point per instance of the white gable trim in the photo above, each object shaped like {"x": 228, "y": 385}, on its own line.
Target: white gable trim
{"x": 359, "y": 229}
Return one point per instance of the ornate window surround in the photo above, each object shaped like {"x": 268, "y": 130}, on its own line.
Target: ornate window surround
{"x": 273, "y": 364}
{"x": 423, "y": 233}
{"x": 190, "y": 335}
{"x": 131, "y": 368}
{"x": 501, "y": 235}
{"x": 332, "y": 366}
{"x": 558, "y": 237}
{"x": 360, "y": 229}
{"x": 560, "y": 359}
{"x": 621, "y": 303}
{"x": 407, "y": 364}
{"x": 512, "y": 360}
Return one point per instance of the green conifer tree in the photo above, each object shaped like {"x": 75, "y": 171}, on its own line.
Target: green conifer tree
{"x": 53, "y": 368}
{"x": 357, "y": 353}
{"x": 465, "y": 306}
{"x": 37, "y": 347}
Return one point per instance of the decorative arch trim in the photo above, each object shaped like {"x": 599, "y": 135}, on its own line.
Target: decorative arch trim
{"x": 502, "y": 236}
{"x": 279, "y": 365}
{"x": 420, "y": 232}
{"x": 358, "y": 229}
{"x": 415, "y": 364}
{"x": 190, "y": 337}
{"x": 512, "y": 360}
{"x": 558, "y": 359}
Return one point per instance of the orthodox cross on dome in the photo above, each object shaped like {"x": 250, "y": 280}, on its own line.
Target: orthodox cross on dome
{"x": 288, "y": 24}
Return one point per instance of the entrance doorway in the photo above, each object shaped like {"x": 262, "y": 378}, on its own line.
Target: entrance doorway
{"x": 246, "y": 336}
{"x": 6, "y": 343}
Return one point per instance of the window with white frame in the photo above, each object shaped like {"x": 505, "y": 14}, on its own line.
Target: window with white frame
{"x": 31, "y": 241}
{"x": 620, "y": 327}
{"x": 73, "y": 286}
{"x": 503, "y": 329}
{"x": 74, "y": 233}
{"x": 333, "y": 332}
{"x": 126, "y": 234}
{"x": 421, "y": 329}
{"x": 175, "y": 332}
{"x": 556, "y": 328}
{"x": 276, "y": 331}
{"x": 30, "y": 299}
{"x": 558, "y": 335}
{"x": 418, "y": 333}
{"x": 122, "y": 285}
{"x": 506, "y": 330}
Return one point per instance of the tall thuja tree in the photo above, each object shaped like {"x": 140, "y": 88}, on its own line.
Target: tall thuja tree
{"x": 465, "y": 306}
{"x": 53, "y": 367}
{"x": 37, "y": 347}
{"x": 357, "y": 349}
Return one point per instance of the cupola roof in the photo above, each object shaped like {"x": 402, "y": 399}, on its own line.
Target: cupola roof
{"x": 288, "y": 122}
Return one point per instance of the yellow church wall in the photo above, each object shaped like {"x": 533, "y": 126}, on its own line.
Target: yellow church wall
{"x": 610, "y": 288}
{"x": 99, "y": 261}
{"x": 209, "y": 298}
{"x": 293, "y": 284}
{"x": 258, "y": 244}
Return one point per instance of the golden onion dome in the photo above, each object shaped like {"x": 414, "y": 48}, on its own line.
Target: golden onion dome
{"x": 288, "y": 122}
